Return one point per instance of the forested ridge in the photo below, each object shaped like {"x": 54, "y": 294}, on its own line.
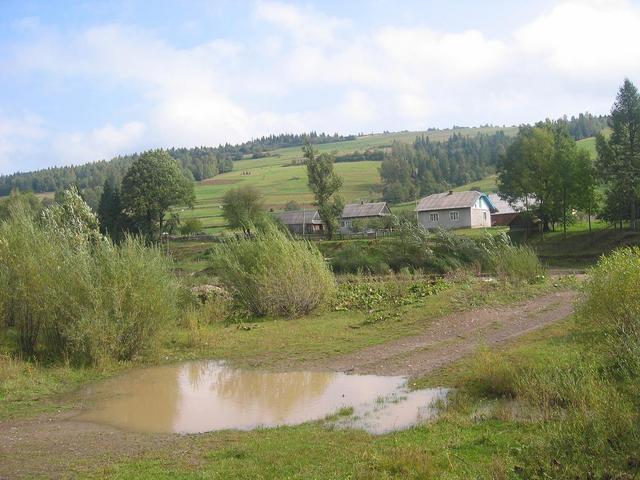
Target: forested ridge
{"x": 197, "y": 163}
{"x": 427, "y": 167}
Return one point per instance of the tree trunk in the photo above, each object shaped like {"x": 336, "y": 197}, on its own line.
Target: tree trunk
{"x": 589, "y": 216}
{"x": 564, "y": 213}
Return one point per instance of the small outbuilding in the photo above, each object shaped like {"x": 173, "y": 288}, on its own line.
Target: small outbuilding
{"x": 510, "y": 214}
{"x": 504, "y": 213}
{"x": 302, "y": 222}
{"x": 362, "y": 211}
{"x": 452, "y": 210}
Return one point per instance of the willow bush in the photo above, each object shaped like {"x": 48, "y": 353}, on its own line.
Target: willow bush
{"x": 273, "y": 274}
{"x": 80, "y": 297}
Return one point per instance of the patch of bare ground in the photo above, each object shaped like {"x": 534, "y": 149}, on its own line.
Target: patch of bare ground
{"x": 452, "y": 337}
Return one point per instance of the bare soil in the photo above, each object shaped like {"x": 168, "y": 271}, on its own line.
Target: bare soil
{"x": 452, "y": 337}
{"x": 55, "y": 446}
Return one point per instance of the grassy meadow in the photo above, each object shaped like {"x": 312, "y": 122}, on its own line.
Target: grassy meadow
{"x": 281, "y": 180}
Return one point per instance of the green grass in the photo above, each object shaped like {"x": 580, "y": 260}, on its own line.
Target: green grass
{"x": 588, "y": 144}
{"x": 580, "y": 248}
{"x": 485, "y": 185}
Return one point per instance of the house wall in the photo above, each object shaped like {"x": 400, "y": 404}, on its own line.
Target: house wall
{"x": 444, "y": 219}
{"x": 478, "y": 216}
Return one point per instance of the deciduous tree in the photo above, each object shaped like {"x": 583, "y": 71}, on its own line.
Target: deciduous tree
{"x": 243, "y": 208}
{"x": 152, "y": 185}
{"x": 324, "y": 183}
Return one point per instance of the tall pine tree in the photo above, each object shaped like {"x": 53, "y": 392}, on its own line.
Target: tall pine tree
{"x": 619, "y": 156}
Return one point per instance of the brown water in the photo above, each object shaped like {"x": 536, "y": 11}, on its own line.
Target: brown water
{"x": 203, "y": 396}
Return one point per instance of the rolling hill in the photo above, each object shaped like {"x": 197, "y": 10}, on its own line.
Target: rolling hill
{"x": 280, "y": 180}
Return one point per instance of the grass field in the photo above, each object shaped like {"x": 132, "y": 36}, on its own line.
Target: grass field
{"x": 588, "y": 144}
{"x": 280, "y": 181}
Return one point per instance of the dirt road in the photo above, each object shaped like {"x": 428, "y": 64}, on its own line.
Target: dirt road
{"x": 452, "y": 337}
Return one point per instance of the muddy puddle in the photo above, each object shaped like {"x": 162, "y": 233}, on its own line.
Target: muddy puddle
{"x": 204, "y": 396}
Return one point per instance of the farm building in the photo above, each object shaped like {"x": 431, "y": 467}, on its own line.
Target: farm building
{"x": 506, "y": 213}
{"x": 302, "y": 221}
{"x": 362, "y": 211}
{"x": 451, "y": 210}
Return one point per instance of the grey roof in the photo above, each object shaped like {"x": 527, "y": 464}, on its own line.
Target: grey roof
{"x": 501, "y": 205}
{"x": 505, "y": 207}
{"x": 355, "y": 210}
{"x": 447, "y": 200}
{"x": 298, "y": 217}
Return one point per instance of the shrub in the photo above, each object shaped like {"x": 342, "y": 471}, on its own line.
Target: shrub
{"x": 77, "y": 296}
{"x": 356, "y": 258}
{"x": 611, "y": 309}
{"x": 191, "y": 226}
{"x": 134, "y": 297}
{"x": 273, "y": 274}
{"x": 512, "y": 263}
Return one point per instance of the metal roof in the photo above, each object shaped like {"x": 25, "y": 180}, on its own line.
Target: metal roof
{"x": 505, "y": 207}
{"x": 355, "y": 210}
{"x": 298, "y": 217}
{"x": 447, "y": 200}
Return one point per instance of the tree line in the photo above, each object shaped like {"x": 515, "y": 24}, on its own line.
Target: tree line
{"x": 427, "y": 167}
{"x": 196, "y": 163}
{"x": 139, "y": 204}
{"x": 545, "y": 167}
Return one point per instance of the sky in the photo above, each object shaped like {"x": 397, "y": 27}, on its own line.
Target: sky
{"x": 87, "y": 80}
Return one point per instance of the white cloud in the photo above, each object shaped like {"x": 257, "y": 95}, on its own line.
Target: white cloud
{"x": 18, "y": 139}
{"x": 358, "y": 107}
{"x": 586, "y": 38}
{"x": 305, "y": 25}
{"x": 99, "y": 143}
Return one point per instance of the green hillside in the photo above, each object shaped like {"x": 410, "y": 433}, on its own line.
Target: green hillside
{"x": 280, "y": 181}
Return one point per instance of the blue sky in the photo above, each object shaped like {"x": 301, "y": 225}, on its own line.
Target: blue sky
{"x": 82, "y": 81}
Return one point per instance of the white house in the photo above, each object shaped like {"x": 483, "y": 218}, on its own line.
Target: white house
{"x": 451, "y": 210}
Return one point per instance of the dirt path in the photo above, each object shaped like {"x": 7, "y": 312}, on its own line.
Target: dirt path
{"x": 50, "y": 446}
{"x": 453, "y": 337}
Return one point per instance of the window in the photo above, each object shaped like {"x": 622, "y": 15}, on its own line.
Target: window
{"x": 434, "y": 217}
{"x": 454, "y": 216}
{"x": 484, "y": 216}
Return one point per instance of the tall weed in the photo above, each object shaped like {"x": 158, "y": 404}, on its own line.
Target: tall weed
{"x": 512, "y": 263}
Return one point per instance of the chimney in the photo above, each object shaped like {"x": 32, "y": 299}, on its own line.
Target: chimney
{"x": 450, "y": 192}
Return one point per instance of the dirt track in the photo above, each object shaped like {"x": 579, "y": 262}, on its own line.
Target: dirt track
{"x": 50, "y": 446}
{"x": 452, "y": 337}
